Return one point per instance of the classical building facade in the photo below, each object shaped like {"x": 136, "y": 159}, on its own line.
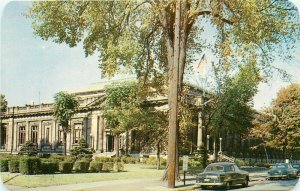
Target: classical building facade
{"x": 36, "y": 123}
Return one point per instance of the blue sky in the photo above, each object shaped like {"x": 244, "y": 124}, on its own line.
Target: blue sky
{"x": 31, "y": 67}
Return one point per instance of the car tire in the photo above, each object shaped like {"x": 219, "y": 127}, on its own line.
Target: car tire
{"x": 289, "y": 177}
{"x": 227, "y": 185}
{"x": 245, "y": 184}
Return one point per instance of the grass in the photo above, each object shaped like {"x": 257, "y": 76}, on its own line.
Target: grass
{"x": 30, "y": 181}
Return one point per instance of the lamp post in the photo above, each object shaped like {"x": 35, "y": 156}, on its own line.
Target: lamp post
{"x": 220, "y": 144}
{"x": 207, "y": 142}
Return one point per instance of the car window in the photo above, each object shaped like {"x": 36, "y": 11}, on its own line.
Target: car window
{"x": 230, "y": 168}
{"x": 214, "y": 168}
{"x": 282, "y": 166}
{"x": 236, "y": 168}
{"x": 296, "y": 165}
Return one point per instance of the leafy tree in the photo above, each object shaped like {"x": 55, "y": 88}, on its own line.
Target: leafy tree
{"x": 281, "y": 123}
{"x": 3, "y": 103}
{"x": 65, "y": 105}
{"x": 28, "y": 149}
{"x": 126, "y": 109}
{"x": 166, "y": 35}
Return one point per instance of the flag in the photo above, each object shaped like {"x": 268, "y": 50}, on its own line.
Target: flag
{"x": 200, "y": 64}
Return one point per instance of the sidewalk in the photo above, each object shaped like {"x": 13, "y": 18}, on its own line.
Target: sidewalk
{"x": 145, "y": 184}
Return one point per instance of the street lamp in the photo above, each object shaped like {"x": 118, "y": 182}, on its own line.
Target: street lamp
{"x": 207, "y": 142}
{"x": 220, "y": 144}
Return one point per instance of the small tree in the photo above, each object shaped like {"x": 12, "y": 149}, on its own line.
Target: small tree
{"x": 82, "y": 150}
{"x": 65, "y": 106}
{"x": 28, "y": 149}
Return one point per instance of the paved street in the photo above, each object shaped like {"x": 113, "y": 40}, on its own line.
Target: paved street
{"x": 279, "y": 185}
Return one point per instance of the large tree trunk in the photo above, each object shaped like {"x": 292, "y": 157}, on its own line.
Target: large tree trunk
{"x": 117, "y": 145}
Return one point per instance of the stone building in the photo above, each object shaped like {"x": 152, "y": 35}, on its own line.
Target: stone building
{"x": 36, "y": 123}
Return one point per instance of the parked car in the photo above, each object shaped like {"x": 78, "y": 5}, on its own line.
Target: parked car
{"x": 222, "y": 174}
{"x": 297, "y": 166}
{"x": 282, "y": 171}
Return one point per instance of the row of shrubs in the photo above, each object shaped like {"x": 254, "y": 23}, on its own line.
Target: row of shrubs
{"x": 35, "y": 165}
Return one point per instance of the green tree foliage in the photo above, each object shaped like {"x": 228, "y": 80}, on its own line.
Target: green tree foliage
{"x": 231, "y": 110}
{"x": 127, "y": 109}
{"x": 82, "y": 150}
{"x": 65, "y": 105}
{"x": 3, "y": 103}
{"x": 28, "y": 149}
{"x": 280, "y": 124}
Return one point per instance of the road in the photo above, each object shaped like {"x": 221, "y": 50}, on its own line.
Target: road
{"x": 279, "y": 185}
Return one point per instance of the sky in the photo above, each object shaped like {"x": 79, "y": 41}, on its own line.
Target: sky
{"x": 33, "y": 70}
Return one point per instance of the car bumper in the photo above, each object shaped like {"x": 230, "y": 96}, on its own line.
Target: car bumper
{"x": 210, "y": 184}
{"x": 278, "y": 176}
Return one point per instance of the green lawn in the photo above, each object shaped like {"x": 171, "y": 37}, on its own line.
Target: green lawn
{"x": 132, "y": 171}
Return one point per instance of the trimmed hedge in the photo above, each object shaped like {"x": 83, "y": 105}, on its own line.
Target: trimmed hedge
{"x": 108, "y": 166}
{"x": 30, "y": 165}
{"x": 104, "y": 159}
{"x": 130, "y": 160}
{"x": 118, "y": 166}
{"x": 4, "y": 165}
{"x": 96, "y": 166}
{"x": 13, "y": 165}
{"x": 65, "y": 166}
{"x": 81, "y": 166}
{"x": 49, "y": 167}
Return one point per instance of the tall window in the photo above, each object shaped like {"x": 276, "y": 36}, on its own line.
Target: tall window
{"x": 22, "y": 134}
{"x": 76, "y": 135}
{"x": 34, "y": 134}
{"x": 60, "y": 136}
{"x": 47, "y": 135}
{"x": 3, "y": 135}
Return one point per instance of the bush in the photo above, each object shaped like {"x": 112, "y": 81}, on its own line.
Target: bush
{"x": 4, "y": 165}
{"x": 65, "y": 166}
{"x": 81, "y": 166}
{"x": 57, "y": 157}
{"x": 96, "y": 166}
{"x": 28, "y": 149}
{"x": 82, "y": 150}
{"x": 130, "y": 160}
{"x": 30, "y": 165}
{"x": 13, "y": 165}
{"x": 104, "y": 159}
{"x": 49, "y": 167}
{"x": 118, "y": 166}
{"x": 108, "y": 166}
{"x": 151, "y": 161}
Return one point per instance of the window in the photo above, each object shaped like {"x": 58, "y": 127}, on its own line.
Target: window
{"x": 47, "y": 135}
{"x": 22, "y": 134}
{"x": 34, "y": 134}
{"x": 3, "y": 135}
{"x": 77, "y": 133}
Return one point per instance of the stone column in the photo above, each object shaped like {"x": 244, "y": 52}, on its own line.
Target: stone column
{"x": 101, "y": 133}
{"x": 40, "y": 128}
{"x": 27, "y": 130}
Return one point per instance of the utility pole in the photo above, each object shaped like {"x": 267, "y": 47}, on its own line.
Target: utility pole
{"x": 172, "y": 143}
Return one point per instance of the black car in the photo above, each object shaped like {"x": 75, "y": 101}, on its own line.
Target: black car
{"x": 297, "y": 166}
{"x": 282, "y": 171}
{"x": 223, "y": 174}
